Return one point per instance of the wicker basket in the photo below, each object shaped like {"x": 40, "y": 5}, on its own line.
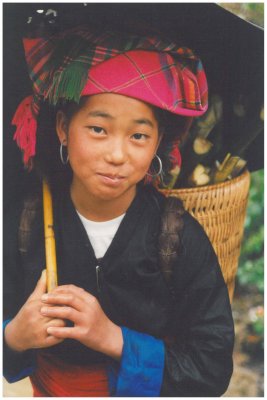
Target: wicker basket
{"x": 221, "y": 210}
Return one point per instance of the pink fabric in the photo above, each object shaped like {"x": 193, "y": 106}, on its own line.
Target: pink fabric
{"x": 149, "y": 76}
{"x": 26, "y": 123}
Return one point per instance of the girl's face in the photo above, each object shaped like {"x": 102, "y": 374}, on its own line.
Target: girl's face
{"x": 111, "y": 142}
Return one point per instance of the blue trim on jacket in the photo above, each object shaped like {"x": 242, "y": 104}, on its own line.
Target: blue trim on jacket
{"x": 140, "y": 371}
{"x": 5, "y": 324}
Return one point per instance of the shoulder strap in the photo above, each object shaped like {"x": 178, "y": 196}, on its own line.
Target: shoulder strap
{"x": 30, "y": 207}
{"x": 169, "y": 238}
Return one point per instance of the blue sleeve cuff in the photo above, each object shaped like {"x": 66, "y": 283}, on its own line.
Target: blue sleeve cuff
{"x": 140, "y": 371}
{"x": 16, "y": 366}
{"x": 5, "y": 324}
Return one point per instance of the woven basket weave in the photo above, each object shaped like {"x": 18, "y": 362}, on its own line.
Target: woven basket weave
{"x": 221, "y": 210}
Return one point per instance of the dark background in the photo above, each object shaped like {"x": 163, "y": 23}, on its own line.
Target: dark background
{"x": 230, "y": 49}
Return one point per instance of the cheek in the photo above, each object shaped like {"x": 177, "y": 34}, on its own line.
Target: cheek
{"x": 79, "y": 150}
{"x": 80, "y": 153}
{"x": 143, "y": 161}
{"x": 79, "y": 144}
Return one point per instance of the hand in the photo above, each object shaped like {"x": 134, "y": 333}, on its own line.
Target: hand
{"x": 91, "y": 325}
{"x": 28, "y": 329}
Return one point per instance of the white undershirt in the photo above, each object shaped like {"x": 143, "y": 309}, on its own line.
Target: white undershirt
{"x": 101, "y": 234}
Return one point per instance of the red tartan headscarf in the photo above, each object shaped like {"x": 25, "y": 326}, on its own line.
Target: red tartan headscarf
{"x": 77, "y": 62}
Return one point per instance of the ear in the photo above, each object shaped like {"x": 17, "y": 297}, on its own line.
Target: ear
{"x": 61, "y": 127}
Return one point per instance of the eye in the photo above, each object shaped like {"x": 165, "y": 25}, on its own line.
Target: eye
{"x": 97, "y": 130}
{"x": 140, "y": 136}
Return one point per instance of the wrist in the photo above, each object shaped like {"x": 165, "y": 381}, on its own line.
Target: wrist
{"x": 11, "y": 339}
{"x": 112, "y": 345}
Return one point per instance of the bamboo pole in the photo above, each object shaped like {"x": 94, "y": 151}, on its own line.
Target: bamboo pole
{"x": 50, "y": 245}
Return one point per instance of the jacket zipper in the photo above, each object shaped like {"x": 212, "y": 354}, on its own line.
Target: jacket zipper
{"x": 97, "y": 269}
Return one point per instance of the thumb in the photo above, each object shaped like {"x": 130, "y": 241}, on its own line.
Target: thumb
{"x": 40, "y": 288}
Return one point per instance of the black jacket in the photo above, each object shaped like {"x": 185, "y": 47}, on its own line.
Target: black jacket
{"x": 133, "y": 292}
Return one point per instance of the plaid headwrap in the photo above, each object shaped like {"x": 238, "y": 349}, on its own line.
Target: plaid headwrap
{"x": 78, "y": 62}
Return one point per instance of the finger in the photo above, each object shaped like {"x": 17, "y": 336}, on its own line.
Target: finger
{"x": 52, "y": 341}
{"x": 76, "y": 292}
{"x": 65, "y": 299}
{"x": 56, "y": 322}
{"x": 40, "y": 288}
{"x": 64, "y": 333}
{"x": 77, "y": 297}
{"x": 63, "y": 312}
{"x": 69, "y": 289}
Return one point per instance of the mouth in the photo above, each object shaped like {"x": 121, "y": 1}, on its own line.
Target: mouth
{"x": 111, "y": 179}
{"x": 111, "y": 176}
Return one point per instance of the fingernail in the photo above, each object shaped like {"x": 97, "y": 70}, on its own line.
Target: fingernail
{"x": 44, "y": 297}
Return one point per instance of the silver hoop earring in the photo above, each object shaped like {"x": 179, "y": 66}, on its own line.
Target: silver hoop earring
{"x": 160, "y": 167}
{"x": 64, "y": 162}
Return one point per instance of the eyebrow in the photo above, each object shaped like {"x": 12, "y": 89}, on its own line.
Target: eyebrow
{"x": 97, "y": 113}
{"x": 144, "y": 121}
{"x": 103, "y": 114}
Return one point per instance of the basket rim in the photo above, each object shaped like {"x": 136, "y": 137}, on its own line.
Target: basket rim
{"x": 245, "y": 175}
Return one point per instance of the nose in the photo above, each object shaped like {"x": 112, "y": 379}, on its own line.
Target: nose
{"x": 116, "y": 152}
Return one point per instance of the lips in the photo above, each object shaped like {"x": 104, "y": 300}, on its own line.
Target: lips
{"x": 111, "y": 179}
{"x": 112, "y": 176}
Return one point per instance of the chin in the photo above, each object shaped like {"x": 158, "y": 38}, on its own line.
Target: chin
{"x": 113, "y": 194}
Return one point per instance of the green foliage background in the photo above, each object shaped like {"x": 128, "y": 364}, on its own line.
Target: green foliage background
{"x": 252, "y": 12}
{"x": 251, "y": 263}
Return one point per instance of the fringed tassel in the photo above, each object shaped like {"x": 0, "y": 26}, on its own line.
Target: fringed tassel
{"x": 25, "y": 134}
{"x": 175, "y": 156}
{"x": 68, "y": 84}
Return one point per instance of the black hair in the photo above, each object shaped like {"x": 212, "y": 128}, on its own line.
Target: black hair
{"x": 47, "y": 161}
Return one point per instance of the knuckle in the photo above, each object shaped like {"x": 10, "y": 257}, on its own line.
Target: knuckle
{"x": 71, "y": 298}
{"x": 67, "y": 312}
{"x": 93, "y": 299}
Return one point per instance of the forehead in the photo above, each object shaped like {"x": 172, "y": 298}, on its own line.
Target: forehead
{"x": 117, "y": 106}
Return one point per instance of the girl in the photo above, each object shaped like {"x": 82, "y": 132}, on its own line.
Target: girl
{"x": 113, "y": 326}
